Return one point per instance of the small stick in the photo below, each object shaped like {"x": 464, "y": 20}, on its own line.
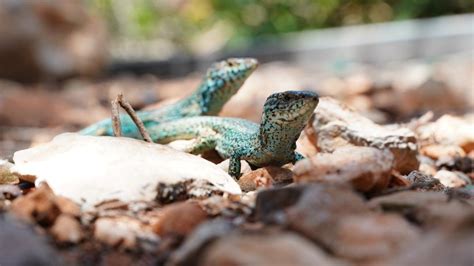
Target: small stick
{"x": 116, "y": 124}
{"x": 129, "y": 109}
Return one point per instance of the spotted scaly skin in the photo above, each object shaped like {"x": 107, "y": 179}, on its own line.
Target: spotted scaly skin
{"x": 273, "y": 142}
{"x": 221, "y": 82}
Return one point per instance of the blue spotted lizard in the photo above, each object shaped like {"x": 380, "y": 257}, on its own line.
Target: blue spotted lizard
{"x": 221, "y": 82}
{"x": 273, "y": 142}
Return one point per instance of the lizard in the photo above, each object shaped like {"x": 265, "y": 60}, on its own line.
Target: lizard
{"x": 273, "y": 142}
{"x": 222, "y": 80}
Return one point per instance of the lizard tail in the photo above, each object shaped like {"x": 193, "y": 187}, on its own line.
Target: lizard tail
{"x": 181, "y": 129}
{"x": 104, "y": 128}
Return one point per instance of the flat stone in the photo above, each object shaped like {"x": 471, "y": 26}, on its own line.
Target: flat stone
{"x": 113, "y": 168}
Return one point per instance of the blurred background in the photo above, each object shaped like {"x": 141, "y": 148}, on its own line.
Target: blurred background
{"x": 61, "y": 62}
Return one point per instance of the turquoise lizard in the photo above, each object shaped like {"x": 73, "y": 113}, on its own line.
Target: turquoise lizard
{"x": 273, "y": 142}
{"x": 221, "y": 82}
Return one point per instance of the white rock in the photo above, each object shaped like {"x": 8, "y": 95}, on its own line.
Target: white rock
{"x": 93, "y": 169}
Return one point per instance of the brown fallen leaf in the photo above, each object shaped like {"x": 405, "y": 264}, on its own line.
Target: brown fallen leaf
{"x": 179, "y": 219}
{"x": 265, "y": 177}
{"x": 38, "y": 206}
{"x": 366, "y": 168}
{"x": 67, "y": 229}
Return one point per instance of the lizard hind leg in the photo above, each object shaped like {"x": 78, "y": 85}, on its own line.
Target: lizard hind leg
{"x": 297, "y": 157}
{"x": 234, "y": 167}
{"x": 202, "y": 144}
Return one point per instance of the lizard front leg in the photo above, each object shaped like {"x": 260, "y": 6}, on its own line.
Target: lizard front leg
{"x": 234, "y": 166}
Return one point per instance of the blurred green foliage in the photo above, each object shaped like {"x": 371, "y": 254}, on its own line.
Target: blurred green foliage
{"x": 236, "y": 21}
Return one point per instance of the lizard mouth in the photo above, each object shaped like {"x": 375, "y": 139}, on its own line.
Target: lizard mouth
{"x": 297, "y": 114}
{"x": 288, "y": 120}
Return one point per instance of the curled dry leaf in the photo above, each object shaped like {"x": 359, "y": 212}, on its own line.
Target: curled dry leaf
{"x": 94, "y": 169}
{"x": 436, "y": 151}
{"x": 427, "y": 208}
{"x": 336, "y": 125}
{"x": 452, "y": 179}
{"x": 447, "y": 131}
{"x": 367, "y": 169}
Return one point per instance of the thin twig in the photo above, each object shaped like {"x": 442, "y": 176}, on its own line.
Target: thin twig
{"x": 116, "y": 124}
{"x": 129, "y": 109}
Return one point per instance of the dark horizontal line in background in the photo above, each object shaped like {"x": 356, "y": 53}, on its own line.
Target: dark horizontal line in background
{"x": 371, "y": 43}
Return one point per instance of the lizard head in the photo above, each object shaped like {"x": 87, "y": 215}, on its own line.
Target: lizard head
{"x": 290, "y": 107}
{"x": 285, "y": 114}
{"x": 222, "y": 81}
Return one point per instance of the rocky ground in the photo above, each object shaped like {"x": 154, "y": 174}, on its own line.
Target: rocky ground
{"x": 387, "y": 179}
